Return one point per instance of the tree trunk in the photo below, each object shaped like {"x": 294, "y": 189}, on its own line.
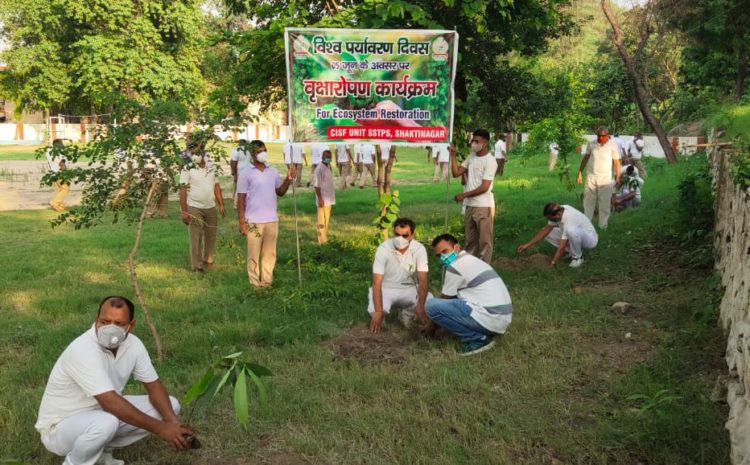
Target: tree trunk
{"x": 387, "y": 174}
{"x": 381, "y": 173}
{"x": 134, "y": 276}
{"x": 739, "y": 77}
{"x": 641, "y": 94}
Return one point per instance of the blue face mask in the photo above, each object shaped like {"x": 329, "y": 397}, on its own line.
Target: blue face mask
{"x": 326, "y": 161}
{"x": 448, "y": 258}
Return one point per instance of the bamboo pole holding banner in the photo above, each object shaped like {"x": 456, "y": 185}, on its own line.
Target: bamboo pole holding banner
{"x": 296, "y": 230}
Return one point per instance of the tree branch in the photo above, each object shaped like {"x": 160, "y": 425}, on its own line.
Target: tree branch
{"x": 134, "y": 276}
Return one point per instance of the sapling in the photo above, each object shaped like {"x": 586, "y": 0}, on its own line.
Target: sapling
{"x": 232, "y": 371}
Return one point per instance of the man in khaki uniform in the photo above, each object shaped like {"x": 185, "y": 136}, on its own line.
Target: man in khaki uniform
{"x": 325, "y": 196}
{"x": 199, "y": 194}
{"x": 344, "y": 161}
{"x": 602, "y": 159}
{"x": 480, "y": 168}
{"x": 61, "y": 188}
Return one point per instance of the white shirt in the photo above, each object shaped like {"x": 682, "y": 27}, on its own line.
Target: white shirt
{"x": 341, "y": 154}
{"x": 364, "y": 153}
{"x": 200, "y": 183}
{"x": 316, "y": 153}
{"x": 288, "y": 153}
{"x": 633, "y": 150}
{"x": 474, "y": 281}
{"x": 54, "y": 165}
{"x": 600, "y": 162}
{"x": 85, "y": 370}
{"x": 297, "y": 152}
{"x": 573, "y": 218}
{"x": 399, "y": 270}
{"x": 242, "y": 157}
{"x": 500, "y": 149}
{"x": 441, "y": 152}
{"x": 385, "y": 151}
{"x": 323, "y": 178}
{"x": 479, "y": 169}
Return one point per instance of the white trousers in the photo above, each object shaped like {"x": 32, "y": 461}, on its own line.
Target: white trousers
{"x": 578, "y": 239}
{"x": 83, "y": 437}
{"x": 405, "y": 299}
{"x": 598, "y": 191}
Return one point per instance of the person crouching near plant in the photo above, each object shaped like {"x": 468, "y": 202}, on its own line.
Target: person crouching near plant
{"x": 475, "y": 304}
{"x": 83, "y": 414}
{"x": 568, "y": 230}
{"x": 199, "y": 194}
{"x": 399, "y": 278}
{"x": 628, "y": 193}
{"x": 258, "y": 187}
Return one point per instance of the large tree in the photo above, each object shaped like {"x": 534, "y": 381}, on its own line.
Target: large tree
{"x": 636, "y": 68}
{"x": 88, "y": 56}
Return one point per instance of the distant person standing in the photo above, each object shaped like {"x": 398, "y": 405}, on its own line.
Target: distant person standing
{"x": 56, "y": 165}
{"x": 500, "y": 149}
{"x": 288, "y": 149}
{"x": 554, "y": 151}
{"x": 325, "y": 197}
{"x": 298, "y": 158}
{"x": 364, "y": 152}
{"x": 480, "y": 168}
{"x": 257, "y": 189}
{"x": 199, "y": 194}
{"x": 634, "y": 153}
{"x": 600, "y": 161}
{"x": 238, "y": 161}
{"x": 316, "y": 155}
{"x": 442, "y": 162}
{"x": 344, "y": 162}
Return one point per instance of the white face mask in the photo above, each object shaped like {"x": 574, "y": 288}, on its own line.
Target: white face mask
{"x": 640, "y": 144}
{"x": 476, "y": 147}
{"x": 196, "y": 158}
{"x": 400, "y": 242}
{"x": 110, "y": 336}
{"x": 262, "y": 157}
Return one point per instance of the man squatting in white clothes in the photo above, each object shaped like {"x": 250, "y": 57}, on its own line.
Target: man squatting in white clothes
{"x": 83, "y": 414}
{"x": 567, "y": 229}
{"x": 399, "y": 277}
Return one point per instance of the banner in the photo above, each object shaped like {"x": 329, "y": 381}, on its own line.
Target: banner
{"x": 371, "y": 85}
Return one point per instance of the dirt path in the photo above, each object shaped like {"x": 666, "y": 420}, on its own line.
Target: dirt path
{"x": 20, "y": 187}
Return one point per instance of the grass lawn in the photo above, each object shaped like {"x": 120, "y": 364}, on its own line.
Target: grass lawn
{"x": 17, "y": 152}
{"x": 571, "y": 382}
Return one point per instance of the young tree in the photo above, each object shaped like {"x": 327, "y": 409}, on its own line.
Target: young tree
{"x": 127, "y": 164}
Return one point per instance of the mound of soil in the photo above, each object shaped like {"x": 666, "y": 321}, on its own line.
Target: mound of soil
{"x": 391, "y": 345}
{"x": 277, "y": 459}
{"x": 535, "y": 261}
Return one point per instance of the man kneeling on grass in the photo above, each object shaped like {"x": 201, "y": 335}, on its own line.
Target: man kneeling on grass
{"x": 84, "y": 415}
{"x": 399, "y": 277}
{"x": 475, "y": 304}
{"x": 568, "y": 230}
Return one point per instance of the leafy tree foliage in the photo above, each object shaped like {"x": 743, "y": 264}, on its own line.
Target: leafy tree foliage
{"x": 89, "y": 56}
{"x": 488, "y": 31}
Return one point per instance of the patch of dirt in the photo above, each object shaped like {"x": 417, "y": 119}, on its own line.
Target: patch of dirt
{"x": 535, "y": 261}
{"x": 360, "y": 344}
{"x": 277, "y": 459}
